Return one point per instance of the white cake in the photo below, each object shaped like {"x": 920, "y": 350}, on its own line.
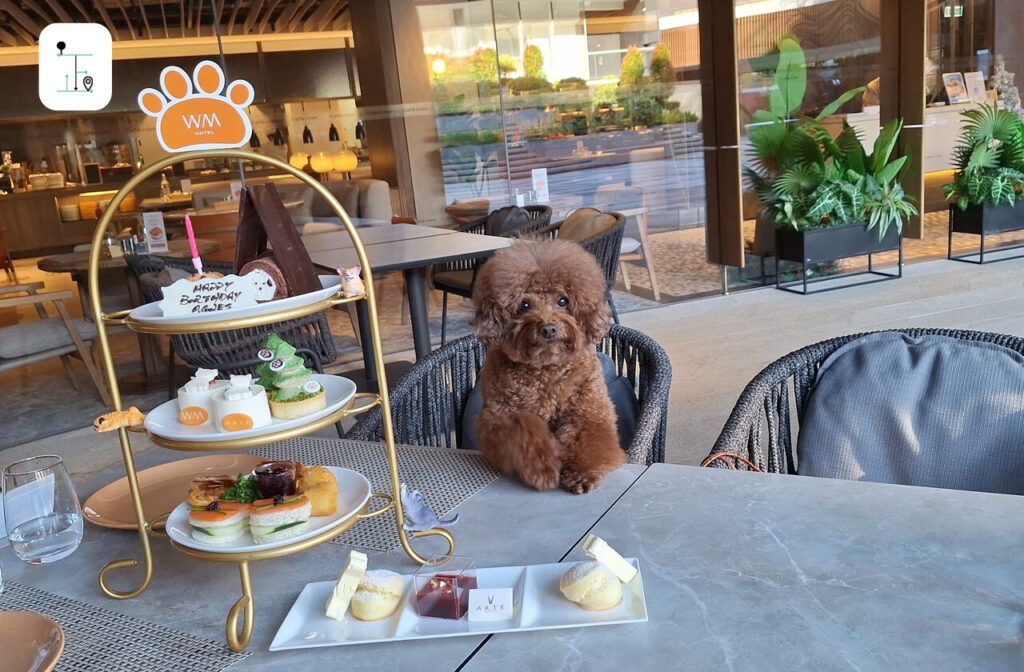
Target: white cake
{"x": 241, "y": 405}
{"x": 195, "y": 398}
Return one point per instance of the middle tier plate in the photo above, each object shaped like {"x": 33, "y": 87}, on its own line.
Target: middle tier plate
{"x": 163, "y": 420}
{"x": 353, "y": 493}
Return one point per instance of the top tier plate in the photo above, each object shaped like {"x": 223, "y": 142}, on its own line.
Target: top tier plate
{"x": 151, "y": 315}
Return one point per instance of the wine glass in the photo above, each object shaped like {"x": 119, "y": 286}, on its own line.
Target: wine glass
{"x": 43, "y": 516}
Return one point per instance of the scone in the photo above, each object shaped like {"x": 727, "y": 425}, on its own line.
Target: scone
{"x": 377, "y": 596}
{"x": 591, "y": 586}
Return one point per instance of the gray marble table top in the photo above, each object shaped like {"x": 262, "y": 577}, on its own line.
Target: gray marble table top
{"x": 504, "y": 524}
{"x": 747, "y": 572}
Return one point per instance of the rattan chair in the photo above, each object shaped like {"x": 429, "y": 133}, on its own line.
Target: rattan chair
{"x": 760, "y": 434}
{"x": 428, "y": 402}
{"x": 605, "y": 247}
{"x": 214, "y": 350}
{"x": 458, "y": 277}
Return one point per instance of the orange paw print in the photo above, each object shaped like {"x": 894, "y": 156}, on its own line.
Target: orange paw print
{"x": 199, "y": 118}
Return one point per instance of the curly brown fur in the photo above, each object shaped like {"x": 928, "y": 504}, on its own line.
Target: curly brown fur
{"x": 546, "y": 417}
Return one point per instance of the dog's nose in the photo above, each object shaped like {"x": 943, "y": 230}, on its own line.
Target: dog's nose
{"x": 548, "y": 332}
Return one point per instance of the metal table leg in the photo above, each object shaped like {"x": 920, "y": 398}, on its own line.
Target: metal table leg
{"x": 416, "y": 287}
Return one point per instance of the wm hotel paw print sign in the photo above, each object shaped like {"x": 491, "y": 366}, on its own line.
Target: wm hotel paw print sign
{"x": 198, "y": 112}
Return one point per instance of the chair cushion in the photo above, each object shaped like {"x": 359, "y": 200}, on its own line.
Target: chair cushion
{"x": 931, "y": 411}
{"x": 30, "y": 338}
{"x": 347, "y": 193}
{"x": 504, "y": 221}
{"x": 629, "y": 245}
{"x": 452, "y": 281}
{"x": 585, "y": 223}
{"x": 627, "y": 409}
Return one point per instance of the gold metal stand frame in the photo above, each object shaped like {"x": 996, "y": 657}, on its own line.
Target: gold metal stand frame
{"x": 239, "y": 625}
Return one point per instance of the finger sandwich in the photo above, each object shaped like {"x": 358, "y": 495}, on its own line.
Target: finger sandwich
{"x": 278, "y": 518}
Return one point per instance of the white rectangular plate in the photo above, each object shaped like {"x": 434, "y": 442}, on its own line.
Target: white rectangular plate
{"x": 538, "y": 603}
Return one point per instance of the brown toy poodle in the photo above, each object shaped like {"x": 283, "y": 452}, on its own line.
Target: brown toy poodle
{"x": 546, "y": 416}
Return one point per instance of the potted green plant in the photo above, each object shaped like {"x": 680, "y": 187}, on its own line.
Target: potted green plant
{"x": 985, "y": 194}
{"x": 828, "y": 198}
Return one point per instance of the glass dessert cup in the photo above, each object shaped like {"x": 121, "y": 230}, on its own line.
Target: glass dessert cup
{"x": 443, "y": 592}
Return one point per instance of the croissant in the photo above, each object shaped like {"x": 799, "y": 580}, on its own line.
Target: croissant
{"x": 108, "y": 422}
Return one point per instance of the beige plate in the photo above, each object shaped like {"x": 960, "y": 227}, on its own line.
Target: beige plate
{"x": 29, "y": 641}
{"x": 163, "y": 488}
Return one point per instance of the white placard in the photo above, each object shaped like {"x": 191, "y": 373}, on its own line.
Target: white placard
{"x": 208, "y": 295}
{"x": 976, "y": 87}
{"x": 490, "y": 604}
{"x": 156, "y": 234}
{"x": 186, "y": 185}
{"x": 236, "y": 190}
{"x": 540, "y": 185}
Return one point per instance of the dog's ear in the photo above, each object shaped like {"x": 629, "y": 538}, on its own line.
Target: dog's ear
{"x": 491, "y": 313}
{"x": 597, "y": 322}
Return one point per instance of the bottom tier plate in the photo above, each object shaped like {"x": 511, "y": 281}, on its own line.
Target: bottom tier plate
{"x": 537, "y": 603}
{"x": 353, "y": 493}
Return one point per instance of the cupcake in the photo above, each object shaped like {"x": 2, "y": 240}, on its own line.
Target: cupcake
{"x": 241, "y": 405}
{"x": 290, "y": 389}
{"x": 195, "y": 398}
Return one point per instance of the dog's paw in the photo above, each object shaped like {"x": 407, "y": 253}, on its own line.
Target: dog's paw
{"x": 541, "y": 478}
{"x": 578, "y": 483}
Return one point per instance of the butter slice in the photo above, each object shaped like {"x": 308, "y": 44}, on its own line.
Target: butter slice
{"x": 346, "y": 586}
{"x": 598, "y": 549}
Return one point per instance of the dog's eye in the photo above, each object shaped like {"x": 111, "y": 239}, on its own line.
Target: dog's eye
{"x": 563, "y": 302}
{"x": 524, "y": 305}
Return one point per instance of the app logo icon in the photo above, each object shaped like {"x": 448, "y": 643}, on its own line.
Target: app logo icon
{"x": 74, "y": 66}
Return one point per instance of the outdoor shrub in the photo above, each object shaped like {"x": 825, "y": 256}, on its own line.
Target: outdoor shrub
{"x": 661, "y": 64}
{"x": 533, "y": 62}
{"x": 632, "y": 70}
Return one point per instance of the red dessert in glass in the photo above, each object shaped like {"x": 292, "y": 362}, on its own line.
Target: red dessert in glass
{"x": 445, "y": 595}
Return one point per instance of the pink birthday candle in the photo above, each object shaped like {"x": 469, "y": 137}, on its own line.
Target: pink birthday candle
{"x": 196, "y": 261}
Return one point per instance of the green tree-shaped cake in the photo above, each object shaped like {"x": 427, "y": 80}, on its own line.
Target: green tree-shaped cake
{"x": 290, "y": 389}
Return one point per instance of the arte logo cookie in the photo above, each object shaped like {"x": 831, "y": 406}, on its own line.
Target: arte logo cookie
{"x": 192, "y": 113}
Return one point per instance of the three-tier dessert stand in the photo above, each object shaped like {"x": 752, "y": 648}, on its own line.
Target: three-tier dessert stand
{"x": 239, "y": 625}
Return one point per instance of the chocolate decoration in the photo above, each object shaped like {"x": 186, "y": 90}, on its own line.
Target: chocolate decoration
{"x": 262, "y": 217}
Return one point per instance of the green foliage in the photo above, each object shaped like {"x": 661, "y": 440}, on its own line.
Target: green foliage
{"x": 521, "y": 85}
{"x": 470, "y": 138}
{"x": 643, "y": 111}
{"x": 606, "y": 94}
{"x": 661, "y": 64}
{"x": 506, "y": 64}
{"x": 678, "y": 117}
{"x": 790, "y": 79}
{"x": 483, "y": 65}
{"x": 806, "y": 178}
{"x": 533, "y": 62}
{"x": 632, "y": 70}
{"x": 570, "y": 84}
{"x": 989, "y": 159}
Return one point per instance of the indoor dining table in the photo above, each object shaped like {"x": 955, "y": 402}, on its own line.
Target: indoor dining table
{"x": 741, "y": 571}
{"x": 408, "y": 248}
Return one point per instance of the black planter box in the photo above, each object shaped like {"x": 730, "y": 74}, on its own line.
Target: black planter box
{"x": 983, "y": 220}
{"x": 821, "y": 245}
{"x": 817, "y": 245}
